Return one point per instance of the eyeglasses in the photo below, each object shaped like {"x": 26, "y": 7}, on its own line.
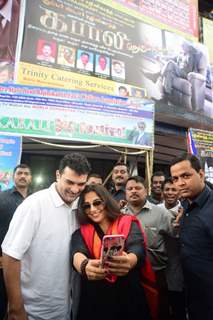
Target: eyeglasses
{"x": 96, "y": 203}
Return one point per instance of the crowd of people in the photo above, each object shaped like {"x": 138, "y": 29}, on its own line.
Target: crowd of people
{"x": 50, "y": 259}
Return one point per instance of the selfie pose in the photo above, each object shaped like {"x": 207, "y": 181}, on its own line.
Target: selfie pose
{"x": 111, "y": 290}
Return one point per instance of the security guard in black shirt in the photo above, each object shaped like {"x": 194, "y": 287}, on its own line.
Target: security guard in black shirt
{"x": 196, "y": 235}
{"x": 120, "y": 174}
{"x": 9, "y": 201}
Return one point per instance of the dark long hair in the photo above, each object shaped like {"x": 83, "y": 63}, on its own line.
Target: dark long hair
{"x": 111, "y": 206}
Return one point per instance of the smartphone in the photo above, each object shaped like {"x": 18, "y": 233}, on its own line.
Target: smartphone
{"x": 112, "y": 245}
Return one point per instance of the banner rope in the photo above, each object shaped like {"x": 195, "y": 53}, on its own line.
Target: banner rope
{"x": 87, "y": 147}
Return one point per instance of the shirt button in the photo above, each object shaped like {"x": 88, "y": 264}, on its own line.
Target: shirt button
{"x": 187, "y": 214}
{"x": 182, "y": 245}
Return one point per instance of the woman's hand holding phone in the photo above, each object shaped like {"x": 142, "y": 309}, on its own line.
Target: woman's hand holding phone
{"x": 121, "y": 265}
{"x": 93, "y": 270}
{"x": 116, "y": 265}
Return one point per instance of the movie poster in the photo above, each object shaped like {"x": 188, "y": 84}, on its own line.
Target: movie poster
{"x": 106, "y": 48}
{"x": 84, "y": 45}
{"x": 77, "y": 116}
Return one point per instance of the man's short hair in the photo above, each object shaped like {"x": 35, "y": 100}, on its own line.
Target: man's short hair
{"x": 95, "y": 175}
{"x": 102, "y": 57}
{"x": 120, "y": 163}
{"x": 167, "y": 180}
{"x": 117, "y": 62}
{"x": 75, "y": 161}
{"x": 122, "y": 88}
{"x": 141, "y": 123}
{"x": 195, "y": 162}
{"x": 137, "y": 179}
{"x": 85, "y": 54}
{"x": 46, "y": 44}
{"x": 158, "y": 174}
{"x": 21, "y": 166}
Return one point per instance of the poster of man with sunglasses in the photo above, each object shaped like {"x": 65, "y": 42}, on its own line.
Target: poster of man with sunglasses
{"x": 139, "y": 135}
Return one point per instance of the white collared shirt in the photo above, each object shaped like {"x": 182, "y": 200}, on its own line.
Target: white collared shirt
{"x": 6, "y": 12}
{"x": 39, "y": 235}
{"x": 173, "y": 210}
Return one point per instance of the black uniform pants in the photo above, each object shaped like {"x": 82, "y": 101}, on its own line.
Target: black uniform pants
{"x": 3, "y": 297}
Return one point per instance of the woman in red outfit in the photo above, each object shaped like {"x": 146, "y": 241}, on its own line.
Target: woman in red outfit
{"x": 93, "y": 295}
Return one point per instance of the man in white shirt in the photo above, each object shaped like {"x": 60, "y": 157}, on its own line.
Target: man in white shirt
{"x": 85, "y": 61}
{"x": 118, "y": 69}
{"x": 102, "y": 65}
{"x": 36, "y": 249}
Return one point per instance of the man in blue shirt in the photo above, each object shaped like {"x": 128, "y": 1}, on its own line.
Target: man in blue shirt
{"x": 196, "y": 235}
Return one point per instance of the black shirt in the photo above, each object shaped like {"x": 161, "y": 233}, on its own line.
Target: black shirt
{"x": 119, "y": 194}
{"x": 196, "y": 237}
{"x": 153, "y": 200}
{"x": 9, "y": 201}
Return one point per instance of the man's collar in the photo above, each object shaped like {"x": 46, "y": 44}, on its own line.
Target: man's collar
{"x": 14, "y": 190}
{"x": 122, "y": 189}
{"x": 173, "y": 209}
{"x": 154, "y": 200}
{"x": 202, "y": 197}
{"x": 199, "y": 200}
{"x": 147, "y": 205}
{"x": 141, "y": 134}
{"x": 6, "y": 11}
{"x": 57, "y": 200}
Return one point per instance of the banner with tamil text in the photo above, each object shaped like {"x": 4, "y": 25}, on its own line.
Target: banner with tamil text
{"x": 77, "y": 116}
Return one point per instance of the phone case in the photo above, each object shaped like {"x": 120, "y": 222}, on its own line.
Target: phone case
{"x": 112, "y": 245}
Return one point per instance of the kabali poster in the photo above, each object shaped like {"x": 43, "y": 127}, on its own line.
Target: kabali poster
{"x": 111, "y": 49}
